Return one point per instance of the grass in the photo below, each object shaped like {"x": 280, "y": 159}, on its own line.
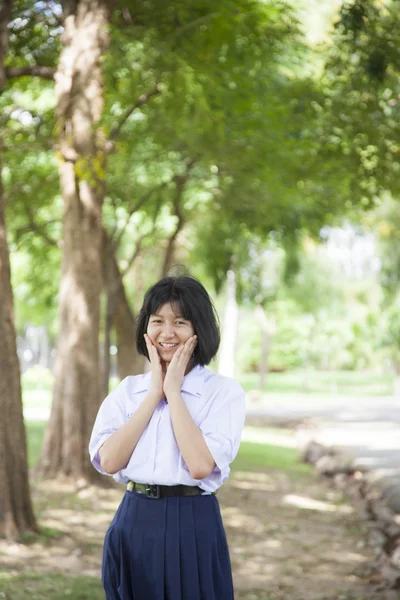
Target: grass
{"x": 251, "y": 457}
{"x": 256, "y": 457}
{"x": 43, "y": 586}
{"x": 34, "y": 434}
{"x": 45, "y": 536}
{"x": 346, "y": 383}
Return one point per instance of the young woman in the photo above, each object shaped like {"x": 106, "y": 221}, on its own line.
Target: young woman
{"x": 170, "y": 435}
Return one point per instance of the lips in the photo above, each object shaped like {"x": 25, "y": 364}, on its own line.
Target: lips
{"x": 168, "y": 346}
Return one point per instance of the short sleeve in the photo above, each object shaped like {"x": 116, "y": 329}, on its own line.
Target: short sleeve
{"x": 222, "y": 428}
{"x": 110, "y": 418}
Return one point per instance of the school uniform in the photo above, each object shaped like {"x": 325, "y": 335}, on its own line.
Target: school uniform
{"x": 171, "y": 547}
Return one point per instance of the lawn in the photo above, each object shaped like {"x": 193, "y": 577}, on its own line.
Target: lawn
{"x": 346, "y": 383}
{"x": 43, "y": 586}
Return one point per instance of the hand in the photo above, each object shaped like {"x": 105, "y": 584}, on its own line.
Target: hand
{"x": 157, "y": 371}
{"x": 177, "y": 367}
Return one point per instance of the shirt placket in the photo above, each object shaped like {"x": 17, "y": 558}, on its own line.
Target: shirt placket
{"x": 158, "y": 438}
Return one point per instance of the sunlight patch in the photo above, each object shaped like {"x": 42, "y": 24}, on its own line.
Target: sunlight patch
{"x": 312, "y": 504}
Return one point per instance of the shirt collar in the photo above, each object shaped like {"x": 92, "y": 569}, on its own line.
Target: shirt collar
{"x": 193, "y": 382}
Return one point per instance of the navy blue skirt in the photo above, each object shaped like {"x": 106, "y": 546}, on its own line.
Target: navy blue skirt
{"x": 167, "y": 549}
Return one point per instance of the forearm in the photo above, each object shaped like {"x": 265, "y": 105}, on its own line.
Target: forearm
{"x": 117, "y": 449}
{"x": 190, "y": 439}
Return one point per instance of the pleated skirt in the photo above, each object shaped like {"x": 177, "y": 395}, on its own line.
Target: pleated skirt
{"x": 167, "y": 549}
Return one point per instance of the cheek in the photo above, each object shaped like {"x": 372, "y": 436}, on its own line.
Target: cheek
{"x": 151, "y": 333}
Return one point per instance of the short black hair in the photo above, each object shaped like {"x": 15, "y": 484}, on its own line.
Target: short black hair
{"x": 196, "y": 306}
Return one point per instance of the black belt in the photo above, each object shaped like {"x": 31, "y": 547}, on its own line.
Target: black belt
{"x": 161, "y": 491}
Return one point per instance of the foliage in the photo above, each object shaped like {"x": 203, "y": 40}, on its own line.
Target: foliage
{"x": 391, "y": 333}
{"x": 212, "y": 117}
{"x": 385, "y": 222}
{"x": 359, "y": 114}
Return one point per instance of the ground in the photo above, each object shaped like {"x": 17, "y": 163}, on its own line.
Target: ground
{"x": 291, "y": 537}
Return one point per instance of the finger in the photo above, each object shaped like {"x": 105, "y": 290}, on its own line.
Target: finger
{"x": 186, "y": 351}
{"x": 176, "y": 356}
{"x": 155, "y": 354}
{"x": 190, "y": 344}
{"x": 147, "y": 340}
{"x": 149, "y": 344}
{"x": 154, "y": 357}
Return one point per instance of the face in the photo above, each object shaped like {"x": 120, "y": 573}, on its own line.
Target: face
{"x": 168, "y": 330}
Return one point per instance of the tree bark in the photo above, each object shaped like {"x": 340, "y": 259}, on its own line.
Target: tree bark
{"x": 267, "y": 327}
{"x": 76, "y": 393}
{"x": 16, "y": 513}
{"x": 129, "y": 361}
{"x": 120, "y": 315}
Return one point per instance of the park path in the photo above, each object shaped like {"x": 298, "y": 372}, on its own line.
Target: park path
{"x": 365, "y": 428}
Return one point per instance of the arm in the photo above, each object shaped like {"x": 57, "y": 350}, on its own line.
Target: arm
{"x": 189, "y": 438}
{"x": 117, "y": 449}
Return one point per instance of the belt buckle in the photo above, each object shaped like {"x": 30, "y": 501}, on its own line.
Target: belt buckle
{"x": 153, "y": 491}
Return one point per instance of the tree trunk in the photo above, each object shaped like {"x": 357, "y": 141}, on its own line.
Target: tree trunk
{"x": 129, "y": 361}
{"x": 180, "y": 182}
{"x": 120, "y": 315}
{"x": 267, "y": 327}
{"x": 76, "y": 393}
{"x": 16, "y": 514}
{"x": 226, "y": 364}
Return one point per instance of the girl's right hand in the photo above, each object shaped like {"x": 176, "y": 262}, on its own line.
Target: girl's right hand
{"x": 157, "y": 373}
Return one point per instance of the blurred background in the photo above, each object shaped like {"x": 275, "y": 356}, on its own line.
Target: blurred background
{"x": 260, "y": 141}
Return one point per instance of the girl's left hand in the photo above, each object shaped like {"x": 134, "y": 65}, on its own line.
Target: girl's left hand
{"x": 177, "y": 367}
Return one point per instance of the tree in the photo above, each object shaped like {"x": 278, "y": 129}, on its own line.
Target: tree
{"x": 79, "y": 95}
{"x": 359, "y": 124}
{"x": 16, "y": 514}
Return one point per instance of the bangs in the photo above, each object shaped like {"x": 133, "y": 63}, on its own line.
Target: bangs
{"x": 177, "y": 301}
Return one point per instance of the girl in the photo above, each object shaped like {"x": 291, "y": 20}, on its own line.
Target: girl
{"x": 170, "y": 435}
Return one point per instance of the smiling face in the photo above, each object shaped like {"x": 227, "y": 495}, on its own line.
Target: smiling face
{"x": 168, "y": 330}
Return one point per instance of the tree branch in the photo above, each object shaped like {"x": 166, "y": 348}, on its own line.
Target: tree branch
{"x": 134, "y": 255}
{"x": 30, "y": 70}
{"x": 142, "y": 100}
{"x": 134, "y": 209}
{"x": 139, "y": 247}
{"x": 34, "y": 227}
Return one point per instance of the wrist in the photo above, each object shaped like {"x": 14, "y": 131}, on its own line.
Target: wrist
{"x": 171, "y": 394}
{"x": 154, "y": 396}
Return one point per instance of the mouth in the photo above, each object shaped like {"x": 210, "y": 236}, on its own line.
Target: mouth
{"x": 168, "y": 346}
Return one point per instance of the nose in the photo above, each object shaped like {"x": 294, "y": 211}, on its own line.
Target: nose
{"x": 168, "y": 330}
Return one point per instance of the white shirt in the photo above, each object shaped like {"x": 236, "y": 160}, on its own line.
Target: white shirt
{"x": 217, "y": 406}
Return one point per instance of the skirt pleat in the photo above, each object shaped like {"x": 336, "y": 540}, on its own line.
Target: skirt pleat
{"x": 167, "y": 549}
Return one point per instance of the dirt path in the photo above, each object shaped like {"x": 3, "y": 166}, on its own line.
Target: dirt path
{"x": 291, "y": 539}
